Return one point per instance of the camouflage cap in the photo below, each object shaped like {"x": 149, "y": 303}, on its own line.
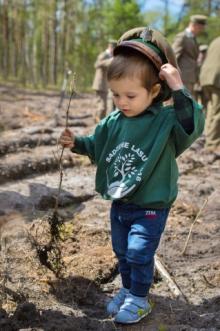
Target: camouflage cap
{"x": 199, "y": 19}
{"x": 154, "y": 46}
{"x": 149, "y": 42}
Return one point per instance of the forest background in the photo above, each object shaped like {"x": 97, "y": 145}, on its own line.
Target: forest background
{"x": 41, "y": 40}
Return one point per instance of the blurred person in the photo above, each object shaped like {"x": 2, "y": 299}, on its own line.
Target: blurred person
{"x": 198, "y": 92}
{"x": 135, "y": 150}
{"x": 202, "y": 54}
{"x": 186, "y": 50}
{"x": 210, "y": 82}
{"x": 100, "y": 84}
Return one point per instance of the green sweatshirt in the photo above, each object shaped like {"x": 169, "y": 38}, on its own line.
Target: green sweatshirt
{"x": 136, "y": 156}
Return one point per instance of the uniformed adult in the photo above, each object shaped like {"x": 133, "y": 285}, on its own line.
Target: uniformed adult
{"x": 210, "y": 82}
{"x": 186, "y": 50}
{"x": 100, "y": 84}
{"x": 198, "y": 92}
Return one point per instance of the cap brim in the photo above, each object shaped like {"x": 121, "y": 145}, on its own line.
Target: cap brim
{"x": 142, "y": 48}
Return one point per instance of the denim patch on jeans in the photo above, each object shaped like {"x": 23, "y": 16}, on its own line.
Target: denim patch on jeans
{"x": 136, "y": 234}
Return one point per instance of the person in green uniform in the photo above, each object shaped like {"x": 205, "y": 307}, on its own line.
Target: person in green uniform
{"x": 135, "y": 150}
{"x": 100, "y": 84}
{"x": 210, "y": 82}
{"x": 186, "y": 49}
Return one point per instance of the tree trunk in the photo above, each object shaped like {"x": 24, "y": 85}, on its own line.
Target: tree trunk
{"x": 54, "y": 44}
{"x": 5, "y": 28}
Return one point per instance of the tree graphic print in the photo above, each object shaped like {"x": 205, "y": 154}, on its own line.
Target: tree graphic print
{"x": 123, "y": 166}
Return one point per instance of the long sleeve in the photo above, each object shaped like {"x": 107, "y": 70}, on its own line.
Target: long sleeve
{"x": 84, "y": 146}
{"x": 92, "y": 145}
{"x": 183, "y": 105}
{"x": 189, "y": 120}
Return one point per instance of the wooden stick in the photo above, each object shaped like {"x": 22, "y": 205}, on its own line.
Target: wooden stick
{"x": 195, "y": 220}
{"x": 169, "y": 279}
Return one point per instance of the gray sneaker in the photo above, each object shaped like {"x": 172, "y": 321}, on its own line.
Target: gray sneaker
{"x": 133, "y": 310}
{"x": 115, "y": 304}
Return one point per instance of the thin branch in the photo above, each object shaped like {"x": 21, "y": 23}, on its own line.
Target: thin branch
{"x": 192, "y": 225}
{"x": 163, "y": 271}
{"x": 208, "y": 282}
{"x": 73, "y": 92}
{"x": 72, "y": 87}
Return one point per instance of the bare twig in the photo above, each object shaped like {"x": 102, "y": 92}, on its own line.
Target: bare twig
{"x": 208, "y": 282}
{"x": 87, "y": 289}
{"x": 195, "y": 220}
{"x": 67, "y": 75}
{"x": 73, "y": 91}
{"x": 170, "y": 280}
{"x": 50, "y": 253}
{"x": 113, "y": 324}
{"x": 5, "y": 271}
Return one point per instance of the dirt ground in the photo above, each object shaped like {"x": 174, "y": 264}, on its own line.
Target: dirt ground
{"x": 57, "y": 271}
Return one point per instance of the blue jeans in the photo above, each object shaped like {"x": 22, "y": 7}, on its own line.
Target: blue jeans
{"x": 136, "y": 234}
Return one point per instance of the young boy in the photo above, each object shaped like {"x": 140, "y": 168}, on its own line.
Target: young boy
{"x": 135, "y": 150}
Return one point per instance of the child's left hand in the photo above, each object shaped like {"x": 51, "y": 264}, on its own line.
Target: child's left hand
{"x": 171, "y": 75}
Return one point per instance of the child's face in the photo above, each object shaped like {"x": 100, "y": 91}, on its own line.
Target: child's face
{"x": 130, "y": 96}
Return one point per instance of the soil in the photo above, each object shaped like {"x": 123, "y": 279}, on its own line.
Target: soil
{"x": 57, "y": 269}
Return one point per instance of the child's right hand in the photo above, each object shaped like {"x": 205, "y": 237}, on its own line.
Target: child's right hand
{"x": 67, "y": 139}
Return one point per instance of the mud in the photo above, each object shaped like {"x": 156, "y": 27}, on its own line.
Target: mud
{"x": 66, "y": 287}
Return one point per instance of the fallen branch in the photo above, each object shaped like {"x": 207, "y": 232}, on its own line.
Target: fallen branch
{"x": 195, "y": 220}
{"x": 169, "y": 280}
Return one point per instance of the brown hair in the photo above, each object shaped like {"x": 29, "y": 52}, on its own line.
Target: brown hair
{"x": 133, "y": 64}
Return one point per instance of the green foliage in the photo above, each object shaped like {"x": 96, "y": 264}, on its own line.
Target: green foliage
{"x": 122, "y": 14}
{"x": 209, "y": 8}
{"x": 205, "y": 7}
{"x": 102, "y": 18}
{"x": 39, "y": 39}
